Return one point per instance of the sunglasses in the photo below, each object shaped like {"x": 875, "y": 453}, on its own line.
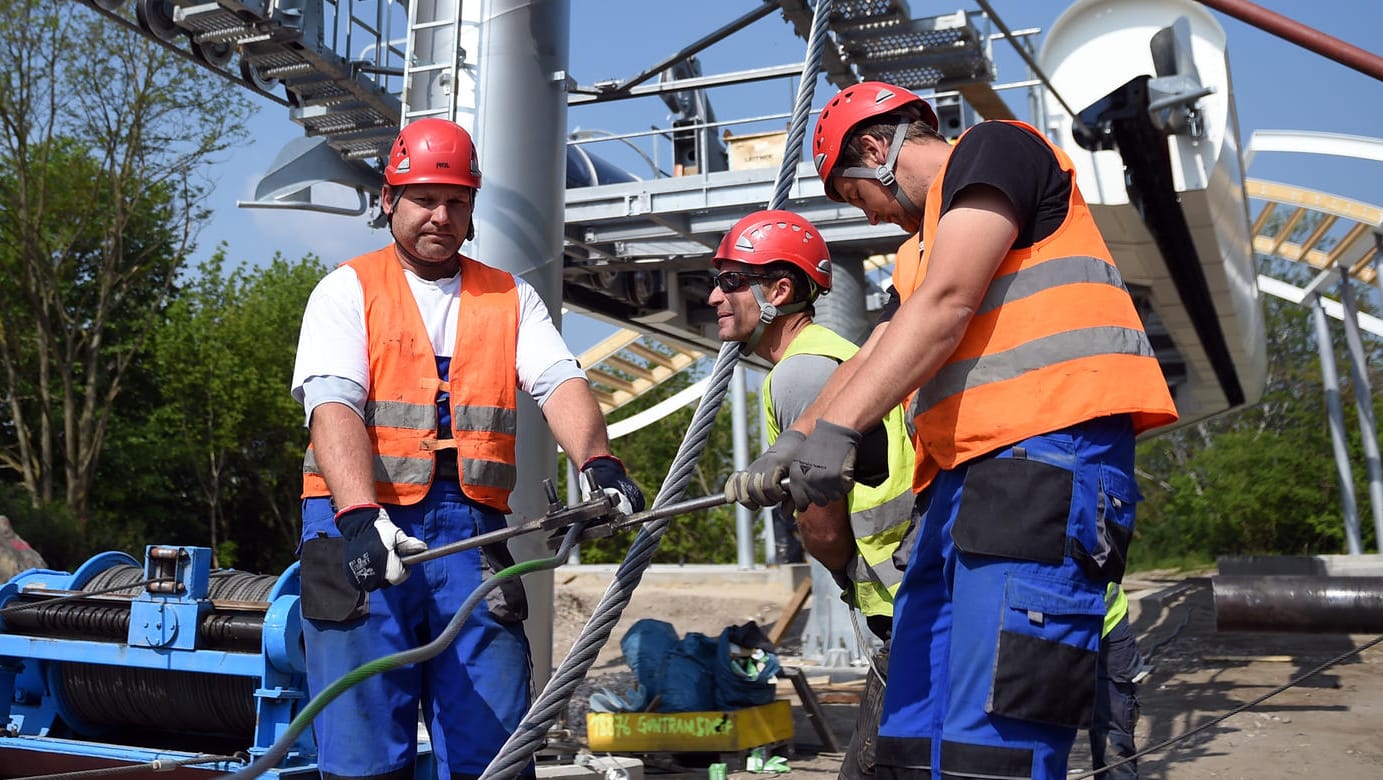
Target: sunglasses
{"x": 729, "y": 281}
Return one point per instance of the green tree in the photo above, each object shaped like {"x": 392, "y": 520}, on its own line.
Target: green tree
{"x": 105, "y": 137}
{"x": 1262, "y": 479}
{"x": 223, "y": 358}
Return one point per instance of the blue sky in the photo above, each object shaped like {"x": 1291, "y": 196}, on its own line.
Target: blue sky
{"x": 1278, "y": 86}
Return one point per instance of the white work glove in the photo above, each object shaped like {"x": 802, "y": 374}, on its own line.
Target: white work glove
{"x": 374, "y": 547}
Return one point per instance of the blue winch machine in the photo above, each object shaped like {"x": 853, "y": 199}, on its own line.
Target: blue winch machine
{"x": 179, "y": 663}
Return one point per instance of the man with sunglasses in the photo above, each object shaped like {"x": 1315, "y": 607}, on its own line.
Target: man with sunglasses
{"x": 1029, "y": 375}
{"x": 409, "y": 363}
{"x": 772, "y": 266}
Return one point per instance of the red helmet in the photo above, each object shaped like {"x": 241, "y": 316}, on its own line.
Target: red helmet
{"x": 778, "y": 237}
{"x": 849, "y": 108}
{"x": 433, "y": 151}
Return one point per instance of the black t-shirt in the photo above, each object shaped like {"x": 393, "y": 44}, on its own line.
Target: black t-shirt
{"x": 1016, "y": 163}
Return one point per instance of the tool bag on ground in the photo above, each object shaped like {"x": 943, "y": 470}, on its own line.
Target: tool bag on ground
{"x": 697, "y": 672}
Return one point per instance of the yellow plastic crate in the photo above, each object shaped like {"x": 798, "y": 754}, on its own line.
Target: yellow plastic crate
{"x": 687, "y": 732}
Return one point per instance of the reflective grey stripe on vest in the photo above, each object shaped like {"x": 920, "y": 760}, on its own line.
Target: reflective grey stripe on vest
{"x": 1030, "y": 356}
{"x": 886, "y": 575}
{"x": 488, "y": 473}
{"x": 869, "y": 522}
{"x": 387, "y": 468}
{"x": 491, "y": 419}
{"x": 1044, "y": 276}
{"x": 397, "y": 414}
{"x": 875, "y": 520}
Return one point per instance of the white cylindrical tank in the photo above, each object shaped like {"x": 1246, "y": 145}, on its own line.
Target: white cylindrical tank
{"x": 1094, "y": 48}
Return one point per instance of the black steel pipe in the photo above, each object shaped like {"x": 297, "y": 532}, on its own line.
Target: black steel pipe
{"x": 1324, "y": 605}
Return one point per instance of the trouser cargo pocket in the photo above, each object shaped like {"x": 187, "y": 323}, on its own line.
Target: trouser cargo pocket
{"x": 1045, "y": 664}
{"x": 1014, "y": 508}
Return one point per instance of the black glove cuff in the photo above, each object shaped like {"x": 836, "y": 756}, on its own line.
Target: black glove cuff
{"x": 591, "y": 460}
{"x": 356, "y": 518}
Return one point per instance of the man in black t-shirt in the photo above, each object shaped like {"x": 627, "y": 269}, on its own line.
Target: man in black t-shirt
{"x": 1028, "y": 375}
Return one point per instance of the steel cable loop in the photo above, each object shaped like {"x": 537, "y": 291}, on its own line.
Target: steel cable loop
{"x": 516, "y": 753}
{"x": 806, "y": 91}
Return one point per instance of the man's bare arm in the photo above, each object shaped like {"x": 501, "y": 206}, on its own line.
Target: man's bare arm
{"x": 576, "y": 421}
{"x": 344, "y": 454}
{"x": 827, "y": 535}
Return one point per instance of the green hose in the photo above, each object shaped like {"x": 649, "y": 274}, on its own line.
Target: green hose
{"x": 366, "y": 670}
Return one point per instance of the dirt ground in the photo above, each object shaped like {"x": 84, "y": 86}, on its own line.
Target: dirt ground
{"x": 1327, "y": 726}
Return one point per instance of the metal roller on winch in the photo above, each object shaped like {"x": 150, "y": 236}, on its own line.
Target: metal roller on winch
{"x": 133, "y": 661}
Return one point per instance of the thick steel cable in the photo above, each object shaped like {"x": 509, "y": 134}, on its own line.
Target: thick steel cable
{"x": 158, "y": 765}
{"x": 516, "y": 753}
{"x": 514, "y": 756}
{"x": 806, "y": 91}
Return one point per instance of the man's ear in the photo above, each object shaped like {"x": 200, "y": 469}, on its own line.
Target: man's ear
{"x": 781, "y": 291}
{"x": 875, "y": 150}
{"x": 386, "y": 199}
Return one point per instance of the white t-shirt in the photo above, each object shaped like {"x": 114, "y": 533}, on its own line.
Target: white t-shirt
{"x": 333, "y": 345}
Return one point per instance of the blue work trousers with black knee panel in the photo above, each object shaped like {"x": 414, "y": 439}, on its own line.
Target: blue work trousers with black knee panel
{"x": 473, "y": 694}
{"x": 997, "y": 621}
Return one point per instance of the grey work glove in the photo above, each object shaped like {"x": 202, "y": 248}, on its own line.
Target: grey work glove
{"x": 374, "y": 547}
{"x": 824, "y": 468}
{"x": 761, "y": 484}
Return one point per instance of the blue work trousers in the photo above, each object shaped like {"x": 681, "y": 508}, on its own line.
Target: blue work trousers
{"x": 997, "y": 620}
{"x": 473, "y": 693}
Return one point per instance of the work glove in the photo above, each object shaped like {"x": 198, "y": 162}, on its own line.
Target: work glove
{"x": 824, "y": 468}
{"x": 374, "y": 547}
{"x": 611, "y": 477}
{"x": 761, "y": 484}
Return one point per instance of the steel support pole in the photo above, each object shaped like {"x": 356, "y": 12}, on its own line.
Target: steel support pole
{"x": 766, "y": 513}
{"x": 573, "y": 498}
{"x": 1336, "y": 418}
{"x": 842, "y": 309}
{"x": 739, "y": 432}
{"x": 1363, "y": 401}
{"x": 520, "y": 132}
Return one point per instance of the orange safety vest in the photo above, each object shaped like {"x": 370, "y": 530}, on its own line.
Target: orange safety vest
{"x": 401, "y": 406}
{"x": 1056, "y": 341}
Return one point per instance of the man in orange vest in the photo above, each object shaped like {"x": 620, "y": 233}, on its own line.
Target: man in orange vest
{"x": 408, "y": 366}
{"x": 1030, "y": 374}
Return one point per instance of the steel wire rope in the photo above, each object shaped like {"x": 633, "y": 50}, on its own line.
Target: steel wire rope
{"x": 97, "y": 592}
{"x": 276, "y": 752}
{"x": 517, "y": 751}
{"x": 1172, "y": 741}
{"x": 157, "y": 765}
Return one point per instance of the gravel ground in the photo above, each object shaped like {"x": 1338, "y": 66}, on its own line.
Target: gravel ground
{"x": 1326, "y": 726}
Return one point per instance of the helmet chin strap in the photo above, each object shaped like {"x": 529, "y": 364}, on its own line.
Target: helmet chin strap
{"x": 884, "y": 173}
{"x": 767, "y": 314}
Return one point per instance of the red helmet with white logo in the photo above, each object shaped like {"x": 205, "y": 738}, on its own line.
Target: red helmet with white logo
{"x": 433, "y": 151}
{"x": 778, "y": 237}
{"x": 852, "y": 106}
